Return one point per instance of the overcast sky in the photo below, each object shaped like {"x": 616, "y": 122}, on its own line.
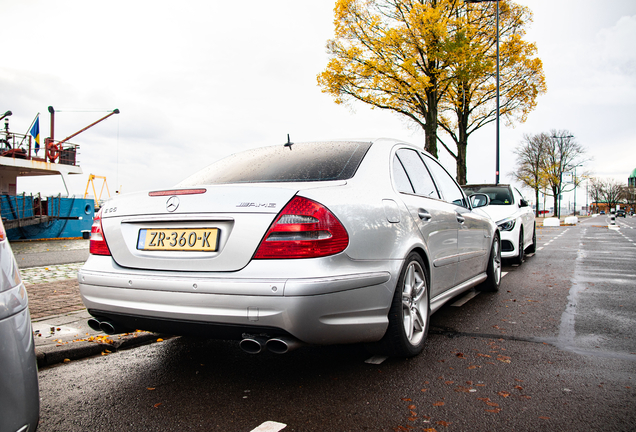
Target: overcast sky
{"x": 198, "y": 80}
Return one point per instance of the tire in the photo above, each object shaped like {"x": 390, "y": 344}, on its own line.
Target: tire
{"x": 519, "y": 258}
{"x": 410, "y": 311}
{"x": 533, "y": 248}
{"x": 493, "y": 272}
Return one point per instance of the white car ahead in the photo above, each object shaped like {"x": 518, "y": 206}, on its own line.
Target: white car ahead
{"x": 512, "y": 214}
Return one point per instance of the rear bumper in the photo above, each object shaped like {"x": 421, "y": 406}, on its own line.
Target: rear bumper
{"x": 347, "y": 308}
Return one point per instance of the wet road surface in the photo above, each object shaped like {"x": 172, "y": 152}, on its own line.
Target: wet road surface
{"x": 553, "y": 350}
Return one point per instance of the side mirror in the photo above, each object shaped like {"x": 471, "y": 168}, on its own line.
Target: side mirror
{"x": 479, "y": 200}
{"x": 523, "y": 203}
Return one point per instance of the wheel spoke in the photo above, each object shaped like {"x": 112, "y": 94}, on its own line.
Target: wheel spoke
{"x": 418, "y": 320}
{"x": 409, "y": 282}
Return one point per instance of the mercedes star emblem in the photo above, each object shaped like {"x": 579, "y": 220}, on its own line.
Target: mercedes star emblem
{"x": 172, "y": 204}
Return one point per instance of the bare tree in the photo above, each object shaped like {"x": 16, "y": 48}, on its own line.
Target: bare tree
{"x": 595, "y": 190}
{"x": 562, "y": 154}
{"x": 531, "y": 162}
{"x": 612, "y": 193}
{"x": 629, "y": 195}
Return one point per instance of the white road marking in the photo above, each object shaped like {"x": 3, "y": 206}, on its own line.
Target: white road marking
{"x": 376, "y": 360}
{"x": 466, "y": 298}
{"x": 270, "y": 426}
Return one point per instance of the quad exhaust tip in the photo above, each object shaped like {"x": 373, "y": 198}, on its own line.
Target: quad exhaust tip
{"x": 277, "y": 345}
{"x": 108, "y": 327}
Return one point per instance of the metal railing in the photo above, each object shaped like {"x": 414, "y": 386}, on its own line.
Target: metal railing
{"x": 19, "y": 146}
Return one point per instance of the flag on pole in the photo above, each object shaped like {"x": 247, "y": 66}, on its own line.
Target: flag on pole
{"x": 35, "y": 133}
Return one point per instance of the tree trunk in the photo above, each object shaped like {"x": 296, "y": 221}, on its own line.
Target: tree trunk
{"x": 461, "y": 159}
{"x": 430, "y": 128}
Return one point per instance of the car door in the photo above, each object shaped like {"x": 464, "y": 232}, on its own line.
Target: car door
{"x": 527, "y": 216}
{"x": 434, "y": 218}
{"x": 472, "y": 234}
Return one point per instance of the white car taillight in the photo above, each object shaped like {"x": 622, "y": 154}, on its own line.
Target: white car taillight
{"x": 303, "y": 229}
{"x": 98, "y": 244}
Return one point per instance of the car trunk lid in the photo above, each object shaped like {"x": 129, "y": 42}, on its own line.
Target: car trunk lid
{"x": 211, "y": 228}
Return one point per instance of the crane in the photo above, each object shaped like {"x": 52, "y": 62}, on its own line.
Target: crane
{"x": 92, "y": 177}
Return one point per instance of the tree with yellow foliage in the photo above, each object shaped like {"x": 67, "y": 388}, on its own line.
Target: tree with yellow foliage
{"x": 422, "y": 57}
{"x": 469, "y": 102}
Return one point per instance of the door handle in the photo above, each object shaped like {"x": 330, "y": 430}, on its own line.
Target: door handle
{"x": 460, "y": 218}
{"x": 424, "y": 215}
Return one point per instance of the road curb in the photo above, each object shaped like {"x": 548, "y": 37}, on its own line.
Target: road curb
{"x": 53, "y": 354}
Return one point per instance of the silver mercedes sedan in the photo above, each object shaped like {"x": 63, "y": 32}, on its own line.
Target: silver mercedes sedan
{"x": 304, "y": 243}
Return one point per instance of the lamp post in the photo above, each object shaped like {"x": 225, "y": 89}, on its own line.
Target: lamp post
{"x": 497, "y": 80}
{"x": 575, "y": 167}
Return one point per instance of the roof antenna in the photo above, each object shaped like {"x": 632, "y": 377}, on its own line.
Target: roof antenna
{"x": 289, "y": 143}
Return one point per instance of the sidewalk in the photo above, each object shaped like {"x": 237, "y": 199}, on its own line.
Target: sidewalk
{"x": 59, "y": 318}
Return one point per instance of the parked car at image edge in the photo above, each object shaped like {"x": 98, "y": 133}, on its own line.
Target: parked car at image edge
{"x": 19, "y": 393}
{"x": 308, "y": 243}
{"x": 514, "y": 217}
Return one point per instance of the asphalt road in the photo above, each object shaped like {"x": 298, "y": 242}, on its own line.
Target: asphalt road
{"x": 554, "y": 350}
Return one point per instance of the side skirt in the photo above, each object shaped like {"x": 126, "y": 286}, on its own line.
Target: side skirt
{"x": 439, "y": 301}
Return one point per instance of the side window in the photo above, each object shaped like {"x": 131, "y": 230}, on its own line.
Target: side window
{"x": 402, "y": 181}
{"x": 519, "y": 198}
{"x": 450, "y": 191}
{"x": 419, "y": 177}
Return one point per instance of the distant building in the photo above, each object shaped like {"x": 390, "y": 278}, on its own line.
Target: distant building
{"x": 631, "y": 181}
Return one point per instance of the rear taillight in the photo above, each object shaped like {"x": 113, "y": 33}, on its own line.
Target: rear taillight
{"x": 98, "y": 244}
{"x": 303, "y": 229}
{"x": 3, "y": 233}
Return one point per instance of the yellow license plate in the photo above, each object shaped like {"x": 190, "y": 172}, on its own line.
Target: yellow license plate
{"x": 196, "y": 239}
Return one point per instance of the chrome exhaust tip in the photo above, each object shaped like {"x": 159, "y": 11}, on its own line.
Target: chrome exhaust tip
{"x": 253, "y": 344}
{"x": 111, "y": 328}
{"x": 93, "y": 323}
{"x": 282, "y": 345}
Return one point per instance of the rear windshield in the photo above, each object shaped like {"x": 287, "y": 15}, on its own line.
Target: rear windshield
{"x": 303, "y": 162}
{"x": 499, "y": 195}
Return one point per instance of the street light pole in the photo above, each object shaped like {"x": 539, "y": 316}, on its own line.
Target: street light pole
{"x": 575, "y": 190}
{"x": 497, "y": 144}
{"x": 497, "y": 81}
